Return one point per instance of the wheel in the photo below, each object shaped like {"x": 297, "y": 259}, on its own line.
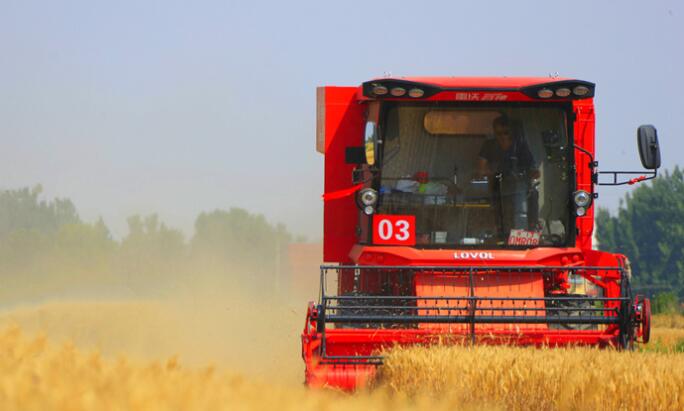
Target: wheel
{"x": 646, "y": 320}
{"x": 626, "y": 342}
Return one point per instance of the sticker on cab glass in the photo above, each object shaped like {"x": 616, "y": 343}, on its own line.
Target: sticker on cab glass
{"x": 524, "y": 237}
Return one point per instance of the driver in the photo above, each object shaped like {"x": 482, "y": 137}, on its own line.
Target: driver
{"x": 508, "y": 163}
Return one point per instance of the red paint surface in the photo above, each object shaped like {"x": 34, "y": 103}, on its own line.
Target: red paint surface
{"x": 344, "y": 122}
{"x": 430, "y": 284}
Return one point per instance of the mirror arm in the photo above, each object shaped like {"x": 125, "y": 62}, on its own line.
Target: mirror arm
{"x": 641, "y": 176}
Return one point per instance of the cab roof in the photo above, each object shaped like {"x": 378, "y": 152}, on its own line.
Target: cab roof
{"x": 535, "y": 88}
{"x": 481, "y": 82}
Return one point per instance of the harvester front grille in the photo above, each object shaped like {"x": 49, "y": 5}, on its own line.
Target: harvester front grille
{"x": 471, "y": 303}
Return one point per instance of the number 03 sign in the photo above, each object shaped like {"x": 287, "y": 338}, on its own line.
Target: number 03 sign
{"x": 394, "y": 229}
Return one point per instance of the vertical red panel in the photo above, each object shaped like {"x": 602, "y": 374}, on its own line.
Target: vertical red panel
{"x": 584, "y": 137}
{"x": 344, "y": 122}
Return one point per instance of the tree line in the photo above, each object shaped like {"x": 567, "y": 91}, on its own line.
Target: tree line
{"x": 45, "y": 246}
{"x": 648, "y": 228}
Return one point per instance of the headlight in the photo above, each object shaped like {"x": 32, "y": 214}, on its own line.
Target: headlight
{"x": 368, "y": 197}
{"x": 582, "y": 198}
{"x": 580, "y": 211}
{"x": 368, "y": 210}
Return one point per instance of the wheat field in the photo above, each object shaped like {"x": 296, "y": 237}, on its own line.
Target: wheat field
{"x": 38, "y": 375}
{"x": 671, "y": 321}
{"x": 543, "y": 379}
{"x": 120, "y": 356}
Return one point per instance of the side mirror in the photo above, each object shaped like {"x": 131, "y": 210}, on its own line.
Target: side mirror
{"x": 370, "y": 142}
{"x": 649, "y": 149}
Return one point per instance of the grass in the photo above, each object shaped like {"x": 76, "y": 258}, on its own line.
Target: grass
{"x": 667, "y": 335}
{"x": 668, "y": 321}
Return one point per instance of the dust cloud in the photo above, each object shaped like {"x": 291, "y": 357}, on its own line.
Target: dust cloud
{"x": 204, "y": 317}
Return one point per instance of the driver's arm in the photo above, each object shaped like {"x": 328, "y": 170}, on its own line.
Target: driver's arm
{"x": 482, "y": 167}
{"x": 527, "y": 160}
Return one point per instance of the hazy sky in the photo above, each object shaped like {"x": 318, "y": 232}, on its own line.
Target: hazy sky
{"x": 178, "y": 107}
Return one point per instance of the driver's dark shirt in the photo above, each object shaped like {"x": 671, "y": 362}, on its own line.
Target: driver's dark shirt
{"x": 516, "y": 159}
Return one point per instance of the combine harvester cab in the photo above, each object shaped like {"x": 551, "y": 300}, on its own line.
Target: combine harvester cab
{"x": 460, "y": 210}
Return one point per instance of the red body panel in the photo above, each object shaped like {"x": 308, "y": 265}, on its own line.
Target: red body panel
{"x": 372, "y": 255}
{"x": 344, "y": 121}
{"x": 584, "y": 137}
{"x": 430, "y": 284}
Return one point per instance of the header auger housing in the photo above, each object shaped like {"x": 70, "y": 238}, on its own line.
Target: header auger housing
{"x": 459, "y": 210}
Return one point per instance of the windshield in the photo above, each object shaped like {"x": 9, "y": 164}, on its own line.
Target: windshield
{"x": 477, "y": 176}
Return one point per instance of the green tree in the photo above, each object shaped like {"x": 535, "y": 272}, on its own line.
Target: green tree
{"x": 666, "y": 303}
{"x": 238, "y": 238}
{"x": 46, "y": 250}
{"x": 23, "y": 210}
{"x": 152, "y": 255}
{"x": 153, "y": 238}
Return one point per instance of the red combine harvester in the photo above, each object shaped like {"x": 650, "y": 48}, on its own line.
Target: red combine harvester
{"x": 460, "y": 210}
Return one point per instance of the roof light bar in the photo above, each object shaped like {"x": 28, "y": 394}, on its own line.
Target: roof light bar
{"x": 562, "y": 89}
{"x": 398, "y": 88}
{"x": 553, "y": 90}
